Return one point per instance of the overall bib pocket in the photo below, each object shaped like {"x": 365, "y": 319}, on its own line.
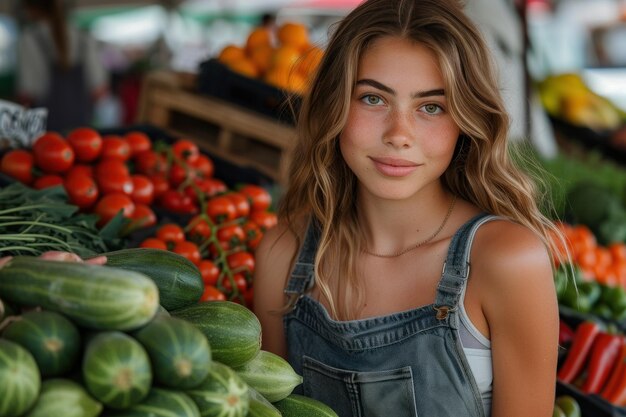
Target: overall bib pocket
{"x": 361, "y": 394}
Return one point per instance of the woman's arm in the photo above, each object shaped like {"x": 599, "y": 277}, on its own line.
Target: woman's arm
{"x": 519, "y": 303}
{"x": 273, "y": 266}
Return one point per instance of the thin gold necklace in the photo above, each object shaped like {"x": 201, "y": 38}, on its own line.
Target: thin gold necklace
{"x": 418, "y": 244}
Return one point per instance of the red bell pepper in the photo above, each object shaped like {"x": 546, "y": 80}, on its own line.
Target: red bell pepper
{"x": 616, "y": 385}
{"x": 604, "y": 354}
{"x": 585, "y": 334}
{"x": 566, "y": 334}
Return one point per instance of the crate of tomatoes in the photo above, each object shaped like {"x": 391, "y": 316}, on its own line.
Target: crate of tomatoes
{"x": 171, "y": 196}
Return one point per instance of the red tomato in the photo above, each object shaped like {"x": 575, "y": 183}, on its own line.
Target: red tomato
{"x": 248, "y": 297}
{"x": 48, "y": 180}
{"x": 241, "y": 261}
{"x": 109, "y": 205}
{"x": 170, "y": 232}
{"x": 253, "y": 234}
{"x": 212, "y": 294}
{"x": 185, "y": 150}
{"x": 221, "y": 209}
{"x": 18, "y": 164}
{"x": 264, "y": 219}
{"x": 115, "y": 147}
{"x": 160, "y": 185}
{"x": 115, "y": 182}
{"x": 52, "y": 153}
{"x": 138, "y": 142}
{"x": 231, "y": 236}
{"x": 260, "y": 198}
{"x": 241, "y": 203}
{"x": 83, "y": 170}
{"x": 143, "y": 216}
{"x": 107, "y": 166}
{"x": 209, "y": 271}
{"x": 189, "y": 250}
{"x": 178, "y": 174}
{"x": 150, "y": 163}
{"x": 143, "y": 190}
{"x": 177, "y": 202}
{"x": 198, "y": 226}
{"x": 240, "y": 282}
{"x": 153, "y": 243}
{"x": 203, "y": 165}
{"x": 86, "y": 142}
{"x": 82, "y": 190}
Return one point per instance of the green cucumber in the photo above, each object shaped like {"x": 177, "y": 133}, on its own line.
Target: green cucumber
{"x": 234, "y": 332}
{"x": 94, "y": 296}
{"x": 20, "y": 379}
{"x": 52, "y": 339}
{"x": 116, "y": 370}
{"x": 66, "y": 398}
{"x": 179, "y": 352}
{"x": 270, "y": 375}
{"x": 161, "y": 403}
{"x": 298, "y": 405}
{"x": 260, "y": 407}
{"x": 221, "y": 394}
{"x": 179, "y": 280}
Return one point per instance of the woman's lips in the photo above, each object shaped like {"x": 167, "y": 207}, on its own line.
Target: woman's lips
{"x": 393, "y": 167}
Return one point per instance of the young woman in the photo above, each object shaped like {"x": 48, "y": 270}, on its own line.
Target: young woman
{"x": 401, "y": 179}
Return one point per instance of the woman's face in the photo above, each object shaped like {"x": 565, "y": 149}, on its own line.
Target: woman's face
{"x": 399, "y": 138}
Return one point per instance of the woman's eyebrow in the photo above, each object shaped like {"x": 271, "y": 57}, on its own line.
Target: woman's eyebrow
{"x": 383, "y": 87}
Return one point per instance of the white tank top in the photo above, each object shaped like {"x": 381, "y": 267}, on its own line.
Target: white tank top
{"x": 477, "y": 349}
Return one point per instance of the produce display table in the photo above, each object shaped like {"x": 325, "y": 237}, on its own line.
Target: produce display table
{"x": 170, "y": 101}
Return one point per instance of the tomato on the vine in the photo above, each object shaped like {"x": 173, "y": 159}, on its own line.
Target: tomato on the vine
{"x": 203, "y": 165}
{"x": 253, "y": 234}
{"x": 115, "y": 182}
{"x": 264, "y": 219}
{"x": 209, "y": 272}
{"x": 18, "y": 164}
{"x": 260, "y": 198}
{"x": 241, "y": 261}
{"x": 170, "y": 232}
{"x": 212, "y": 294}
{"x": 150, "y": 163}
{"x": 231, "y": 236}
{"x": 107, "y": 166}
{"x": 143, "y": 216}
{"x": 48, "y": 180}
{"x": 109, "y": 205}
{"x": 81, "y": 190}
{"x": 198, "y": 226}
{"x": 221, "y": 209}
{"x": 86, "y": 142}
{"x": 186, "y": 150}
{"x": 143, "y": 189}
{"x": 240, "y": 283}
{"x": 160, "y": 184}
{"x": 188, "y": 250}
{"x": 177, "y": 202}
{"x": 83, "y": 170}
{"x": 138, "y": 142}
{"x": 241, "y": 203}
{"x": 153, "y": 243}
{"x": 178, "y": 174}
{"x": 115, "y": 147}
{"x": 52, "y": 153}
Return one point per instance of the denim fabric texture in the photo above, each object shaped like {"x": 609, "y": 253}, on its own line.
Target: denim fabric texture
{"x": 406, "y": 364}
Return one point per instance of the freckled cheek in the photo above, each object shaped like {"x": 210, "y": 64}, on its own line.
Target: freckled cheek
{"x": 445, "y": 144}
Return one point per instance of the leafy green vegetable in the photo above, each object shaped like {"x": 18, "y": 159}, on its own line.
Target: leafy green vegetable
{"x": 36, "y": 221}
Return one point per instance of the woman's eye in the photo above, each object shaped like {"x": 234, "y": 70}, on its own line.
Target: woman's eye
{"x": 371, "y": 100}
{"x": 432, "y": 108}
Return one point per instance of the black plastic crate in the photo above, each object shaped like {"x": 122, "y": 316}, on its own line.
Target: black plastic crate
{"x": 217, "y": 80}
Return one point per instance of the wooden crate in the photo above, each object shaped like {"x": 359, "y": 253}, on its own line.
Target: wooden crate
{"x": 169, "y": 101}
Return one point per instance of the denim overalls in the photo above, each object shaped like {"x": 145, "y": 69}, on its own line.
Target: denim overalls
{"x": 406, "y": 364}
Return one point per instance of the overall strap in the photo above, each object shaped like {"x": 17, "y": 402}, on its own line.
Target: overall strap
{"x": 302, "y": 278}
{"x": 456, "y": 267}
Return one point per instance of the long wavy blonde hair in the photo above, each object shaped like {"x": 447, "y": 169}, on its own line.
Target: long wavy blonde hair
{"x": 322, "y": 187}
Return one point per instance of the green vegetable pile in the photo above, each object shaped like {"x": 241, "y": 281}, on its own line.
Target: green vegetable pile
{"x": 36, "y": 221}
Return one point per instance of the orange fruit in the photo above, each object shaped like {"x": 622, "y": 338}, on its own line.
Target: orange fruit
{"x": 230, "y": 53}
{"x": 285, "y": 57}
{"x": 310, "y": 60}
{"x": 259, "y": 36}
{"x": 278, "y": 77}
{"x": 244, "y": 66}
{"x": 261, "y": 57}
{"x": 293, "y": 34}
{"x": 296, "y": 83}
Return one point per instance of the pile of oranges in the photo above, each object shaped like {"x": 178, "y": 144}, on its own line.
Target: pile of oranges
{"x": 283, "y": 57}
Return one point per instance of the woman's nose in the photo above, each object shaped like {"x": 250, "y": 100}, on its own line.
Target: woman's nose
{"x": 399, "y": 131}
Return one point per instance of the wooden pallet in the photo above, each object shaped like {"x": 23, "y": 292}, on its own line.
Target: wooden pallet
{"x": 244, "y": 137}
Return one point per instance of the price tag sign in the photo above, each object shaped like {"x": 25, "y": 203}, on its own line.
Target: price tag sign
{"x": 19, "y": 126}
